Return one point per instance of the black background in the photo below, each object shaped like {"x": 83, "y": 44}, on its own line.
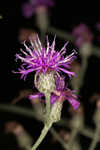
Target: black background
{"x": 64, "y": 15}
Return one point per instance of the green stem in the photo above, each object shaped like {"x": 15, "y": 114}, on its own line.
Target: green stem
{"x": 47, "y": 105}
{"x": 73, "y": 135}
{"x": 95, "y": 139}
{"x": 42, "y": 136}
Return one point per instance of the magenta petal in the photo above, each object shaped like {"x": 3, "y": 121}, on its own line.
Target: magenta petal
{"x": 60, "y": 83}
{"x": 68, "y": 72}
{"x": 40, "y": 59}
{"x": 53, "y": 99}
{"x": 74, "y": 103}
{"x": 34, "y": 96}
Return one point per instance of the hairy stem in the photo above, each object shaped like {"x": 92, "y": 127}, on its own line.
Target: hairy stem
{"x": 73, "y": 135}
{"x": 95, "y": 139}
{"x": 47, "y": 105}
{"x": 42, "y": 136}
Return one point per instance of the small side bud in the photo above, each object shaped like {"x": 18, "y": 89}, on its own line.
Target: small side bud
{"x": 55, "y": 113}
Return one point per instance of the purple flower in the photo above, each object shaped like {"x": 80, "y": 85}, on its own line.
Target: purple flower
{"x": 72, "y": 98}
{"x": 37, "y": 3}
{"x": 29, "y": 8}
{"x": 82, "y": 34}
{"x": 39, "y": 59}
{"x": 63, "y": 93}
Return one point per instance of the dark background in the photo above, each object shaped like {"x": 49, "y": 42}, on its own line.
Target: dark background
{"x": 63, "y": 15}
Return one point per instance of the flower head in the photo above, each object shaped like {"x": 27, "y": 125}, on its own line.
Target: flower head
{"x": 82, "y": 34}
{"x": 64, "y": 93}
{"x": 37, "y": 3}
{"x": 29, "y": 8}
{"x": 42, "y": 60}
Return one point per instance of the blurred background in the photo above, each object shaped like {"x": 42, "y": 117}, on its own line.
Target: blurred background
{"x": 77, "y": 23}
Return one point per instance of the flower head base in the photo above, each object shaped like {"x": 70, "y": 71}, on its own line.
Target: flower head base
{"x": 41, "y": 60}
{"x": 46, "y": 82}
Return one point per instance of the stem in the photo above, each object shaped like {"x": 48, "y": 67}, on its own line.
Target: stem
{"x": 82, "y": 74}
{"x": 47, "y": 105}
{"x": 42, "y": 136}
{"x": 62, "y": 34}
{"x": 87, "y": 132}
{"x": 95, "y": 139}
{"x": 73, "y": 135}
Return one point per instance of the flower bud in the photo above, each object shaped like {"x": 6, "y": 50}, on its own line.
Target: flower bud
{"x": 55, "y": 113}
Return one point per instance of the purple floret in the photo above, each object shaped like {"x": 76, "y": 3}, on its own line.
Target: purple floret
{"x": 29, "y": 8}
{"x": 47, "y": 3}
{"x": 63, "y": 92}
{"x": 39, "y": 59}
